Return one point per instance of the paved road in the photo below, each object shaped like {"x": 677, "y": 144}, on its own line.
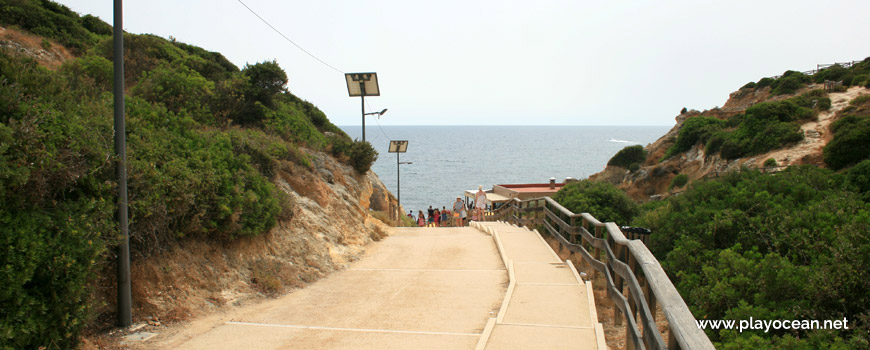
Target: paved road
{"x": 418, "y": 289}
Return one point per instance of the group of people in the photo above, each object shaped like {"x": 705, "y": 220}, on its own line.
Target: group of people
{"x": 457, "y": 216}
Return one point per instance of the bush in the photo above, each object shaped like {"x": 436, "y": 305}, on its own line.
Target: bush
{"x": 600, "y": 199}
{"x": 749, "y": 85}
{"x": 694, "y": 130}
{"x": 790, "y": 245}
{"x": 764, "y": 127}
{"x": 788, "y": 85}
{"x": 634, "y": 167}
{"x": 679, "y": 181}
{"x": 362, "y": 155}
{"x": 764, "y": 82}
{"x": 815, "y": 99}
{"x": 51, "y": 20}
{"x": 858, "y": 177}
{"x": 628, "y": 156}
{"x": 180, "y": 89}
{"x": 833, "y": 73}
{"x": 851, "y": 135}
{"x": 770, "y": 162}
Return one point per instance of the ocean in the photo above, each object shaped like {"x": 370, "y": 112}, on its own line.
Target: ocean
{"x": 447, "y": 160}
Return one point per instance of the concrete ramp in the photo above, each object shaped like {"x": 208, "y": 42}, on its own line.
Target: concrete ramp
{"x": 492, "y": 286}
{"x": 547, "y": 304}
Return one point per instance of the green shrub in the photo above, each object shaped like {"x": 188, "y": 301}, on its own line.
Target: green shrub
{"x": 694, "y": 130}
{"x": 180, "y": 89}
{"x": 770, "y": 162}
{"x": 88, "y": 71}
{"x": 96, "y": 25}
{"x": 764, "y": 82}
{"x": 788, "y": 85}
{"x": 764, "y": 127}
{"x": 749, "y": 85}
{"x": 362, "y": 155}
{"x": 604, "y": 201}
{"x": 851, "y": 136}
{"x": 815, "y": 99}
{"x": 634, "y": 167}
{"x": 714, "y": 144}
{"x": 679, "y": 180}
{"x": 48, "y": 19}
{"x": 56, "y": 206}
{"x": 858, "y": 177}
{"x": 833, "y": 73}
{"x": 770, "y": 246}
{"x": 627, "y": 156}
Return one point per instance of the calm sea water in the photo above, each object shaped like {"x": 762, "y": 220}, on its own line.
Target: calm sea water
{"x": 448, "y": 160}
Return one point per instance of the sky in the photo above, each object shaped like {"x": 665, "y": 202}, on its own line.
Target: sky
{"x": 514, "y": 62}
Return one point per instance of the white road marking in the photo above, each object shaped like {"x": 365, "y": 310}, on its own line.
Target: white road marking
{"x": 350, "y": 329}
{"x": 545, "y": 325}
{"x": 427, "y": 270}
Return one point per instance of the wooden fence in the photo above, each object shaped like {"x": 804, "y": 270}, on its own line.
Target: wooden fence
{"x": 820, "y": 67}
{"x": 624, "y": 262}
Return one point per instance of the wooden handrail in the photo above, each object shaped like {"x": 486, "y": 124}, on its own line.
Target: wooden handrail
{"x": 626, "y": 263}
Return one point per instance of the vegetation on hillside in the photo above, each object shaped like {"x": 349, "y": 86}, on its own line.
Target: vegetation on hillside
{"x": 600, "y": 199}
{"x": 851, "y": 141}
{"x": 629, "y": 157}
{"x": 790, "y": 81}
{"x": 790, "y": 245}
{"x": 763, "y": 127}
{"x": 205, "y": 140}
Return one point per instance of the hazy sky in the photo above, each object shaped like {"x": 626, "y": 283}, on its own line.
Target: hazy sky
{"x": 515, "y": 62}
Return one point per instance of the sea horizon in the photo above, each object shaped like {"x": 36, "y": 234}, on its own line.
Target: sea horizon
{"x": 449, "y": 159}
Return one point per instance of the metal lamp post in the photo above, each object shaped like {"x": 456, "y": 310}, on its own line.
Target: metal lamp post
{"x": 125, "y": 318}
{"x": 399, "y": 146}
{"x": 362, "y": 85}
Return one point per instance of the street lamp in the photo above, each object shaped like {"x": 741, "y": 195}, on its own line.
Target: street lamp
{"x": 399, "y": 146}
{"x": 362, "y": 85}
{"x": 378, "y": 113}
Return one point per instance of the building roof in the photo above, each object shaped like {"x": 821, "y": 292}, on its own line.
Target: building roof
{"x": 490, "y": 196}
{"x": 532, "y": 187}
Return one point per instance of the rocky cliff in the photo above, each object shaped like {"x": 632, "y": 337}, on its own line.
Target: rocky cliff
{"x": 330, "y": 226}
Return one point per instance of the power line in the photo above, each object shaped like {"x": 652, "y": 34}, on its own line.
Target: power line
{"x": 288, "y": 39}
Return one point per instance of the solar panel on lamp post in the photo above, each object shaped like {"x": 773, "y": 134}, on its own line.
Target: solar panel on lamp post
{"x": 362, "y": 85}
{"x": 399, "y": 146}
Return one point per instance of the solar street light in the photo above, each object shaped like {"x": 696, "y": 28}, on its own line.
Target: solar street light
{"x": 399, "y": 146}
{"x": 362, "y": 85}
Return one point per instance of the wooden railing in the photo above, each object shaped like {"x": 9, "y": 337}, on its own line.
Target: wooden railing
{"x": 820, "y": 67}
{"x": 624, "y": 262}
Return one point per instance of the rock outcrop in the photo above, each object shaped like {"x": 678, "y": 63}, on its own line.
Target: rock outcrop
{"x": 653, "y": 179}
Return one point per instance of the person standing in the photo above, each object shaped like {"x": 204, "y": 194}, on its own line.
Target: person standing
{"x": 458, "y": 207}
{"x": 421, "y": 219}
{"x": 479, "y": 203}
{"x": 444, "y": 213}
{"x": 437, "y": 217}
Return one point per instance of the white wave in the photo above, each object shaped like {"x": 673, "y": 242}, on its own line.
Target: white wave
{"x": 622, "y": 141}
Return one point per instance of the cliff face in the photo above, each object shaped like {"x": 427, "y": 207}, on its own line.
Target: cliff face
{"x": 654, "y": 178}
{"x": 329, "y": 227}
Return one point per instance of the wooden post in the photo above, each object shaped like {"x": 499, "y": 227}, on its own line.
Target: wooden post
{"x": 632, "y": 303}
{"x": 597, "y": 252}
{"x": 573, "y": 234}
{"x": 629, "y": 340}
{"x": 672, "y": 340}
